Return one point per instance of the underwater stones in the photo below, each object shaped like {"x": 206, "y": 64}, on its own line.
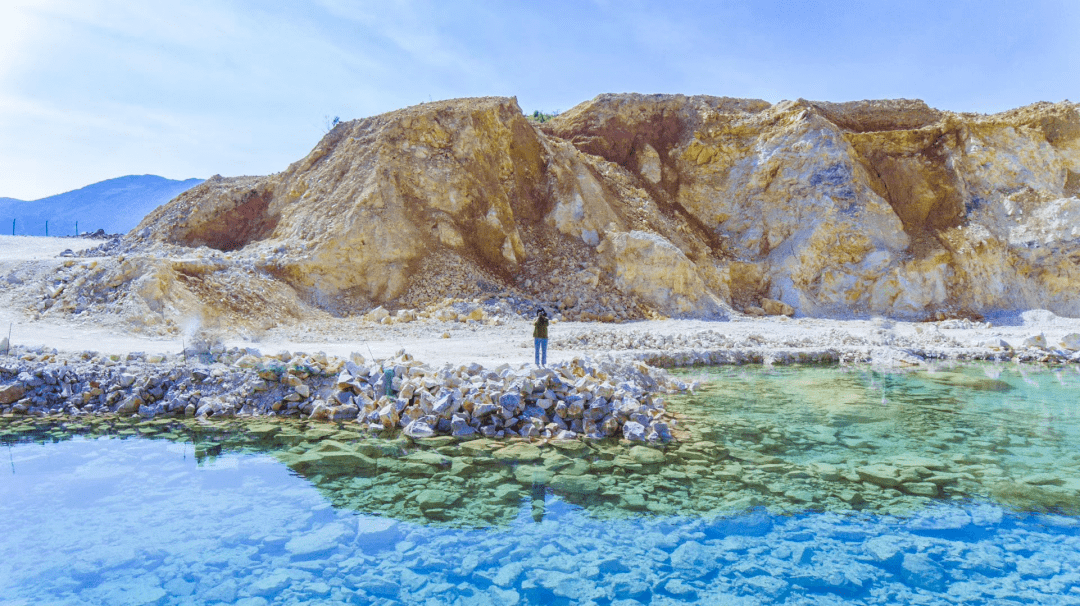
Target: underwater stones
{"x": 825, "y": 471}
{"x": 919, "y": 570}
{"x": 328, "y": 446}
{"x": 262, "y": 430}
{"x": 910, "y": 460}
{"x": 508, "y": 492}
{"x": 749, "y": 456}
{"x": 479, "y": 448}
{"x": 427, "y": 457}
{"x": 532, "y": 475}
{"x": 691, "y": 555}
{"x": 138, "y": 595}
{"x": 436, "y": 499}
{"x": 925, "y": 489}
{"x": 575, "y": 484}
{"x": 940, "y": 519}
{"x": 646, "y": 455}
{"x": 570, "y": 447}
{"x": 880, "y": 474}
{"x": 517, "y": 453}
{"x": 335, "y": 462}
{"x": 222, "y": 592}
{"x": 884, "y": 549}
{"x": 680, "y": 589}
{"x": 318, "y": 541}
{"x": 179, "y": 587}
{"x": 270, "y": 585}
{"x": 508, "y": 574}
{"x": 1042, "y": 479}
{"x": 801, "y": 495}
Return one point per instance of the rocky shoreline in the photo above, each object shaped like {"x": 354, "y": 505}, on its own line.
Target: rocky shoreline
{"x": 881, "y": 347}
{"x": 579, "y": 399}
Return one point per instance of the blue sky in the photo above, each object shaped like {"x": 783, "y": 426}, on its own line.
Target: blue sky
{"x": 95, "y": 89}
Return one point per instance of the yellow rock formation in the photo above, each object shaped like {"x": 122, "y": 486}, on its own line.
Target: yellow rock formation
{"x": 631, "y": 204}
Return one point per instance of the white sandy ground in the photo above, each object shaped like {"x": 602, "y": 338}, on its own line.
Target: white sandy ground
{"x": 512, "y": 342}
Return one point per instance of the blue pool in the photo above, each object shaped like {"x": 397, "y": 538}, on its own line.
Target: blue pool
{"x": 792, "y": 486}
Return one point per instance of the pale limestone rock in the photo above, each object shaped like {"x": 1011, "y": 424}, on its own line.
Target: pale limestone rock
{"x": 773, "y": 307}
{"x": 650, "y": 164}
{"x": 655, "y": 270}
{"x": 1036, "y": 341}
{"x": 883, "y": 475}
{"x": 1071, "y": 342}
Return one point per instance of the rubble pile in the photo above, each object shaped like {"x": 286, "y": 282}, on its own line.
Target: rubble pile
{"x": 579, "y": 399}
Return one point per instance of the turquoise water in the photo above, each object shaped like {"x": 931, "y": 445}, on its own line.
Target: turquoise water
{"x": 765, "y": 505}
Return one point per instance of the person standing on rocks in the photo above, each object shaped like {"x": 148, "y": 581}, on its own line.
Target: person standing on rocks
{"x": 540, "y": 337}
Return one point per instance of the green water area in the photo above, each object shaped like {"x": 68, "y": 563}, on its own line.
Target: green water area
{"x": 788, "y": 485}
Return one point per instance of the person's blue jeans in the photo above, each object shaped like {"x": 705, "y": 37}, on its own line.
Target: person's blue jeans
{"x": 541, "y": 351}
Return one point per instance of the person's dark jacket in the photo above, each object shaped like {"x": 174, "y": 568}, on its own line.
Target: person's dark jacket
{"x": 540, "y": 327}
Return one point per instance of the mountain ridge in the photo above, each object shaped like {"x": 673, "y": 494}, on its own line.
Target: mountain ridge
{"x": 113, "y": 205}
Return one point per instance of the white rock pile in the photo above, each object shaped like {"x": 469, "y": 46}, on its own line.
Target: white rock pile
{"x": 578, "y": 399}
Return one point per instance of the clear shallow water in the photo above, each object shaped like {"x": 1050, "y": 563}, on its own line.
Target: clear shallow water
{"x": 178, "y": 513}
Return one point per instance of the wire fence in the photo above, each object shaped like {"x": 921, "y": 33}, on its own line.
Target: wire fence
{"x": 51, "y": 228}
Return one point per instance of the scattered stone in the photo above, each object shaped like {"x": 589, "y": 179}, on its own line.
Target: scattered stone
{"x": 1036, "y": 341}
{"x": 436, "y": 499}
{"x": 582, "y": 484}
{"x": 925, "y": 489}
{"x": 919, "y": 570}
{"x": 12, "y": 393}
{"x": 883, "y": 475}
{"x": 646, "y": 455}
{"x": 1070, "y": 342}
{"x": 773, "y": 307}
{"x": 518, "y": 453}
{"x": 317, "y": 542}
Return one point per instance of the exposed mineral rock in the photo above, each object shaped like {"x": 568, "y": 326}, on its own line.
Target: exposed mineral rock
{"x": 626, "y": 206}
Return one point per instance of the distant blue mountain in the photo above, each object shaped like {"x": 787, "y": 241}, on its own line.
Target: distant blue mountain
{"x": 115, "y": 205}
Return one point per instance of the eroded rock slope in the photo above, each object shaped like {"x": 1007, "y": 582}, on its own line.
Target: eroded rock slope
{"x": 627, "y": 206}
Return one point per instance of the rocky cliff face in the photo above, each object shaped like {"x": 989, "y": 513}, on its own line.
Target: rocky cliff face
{"x": 632, "y": 205}
{"x": 874, "y": 207}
